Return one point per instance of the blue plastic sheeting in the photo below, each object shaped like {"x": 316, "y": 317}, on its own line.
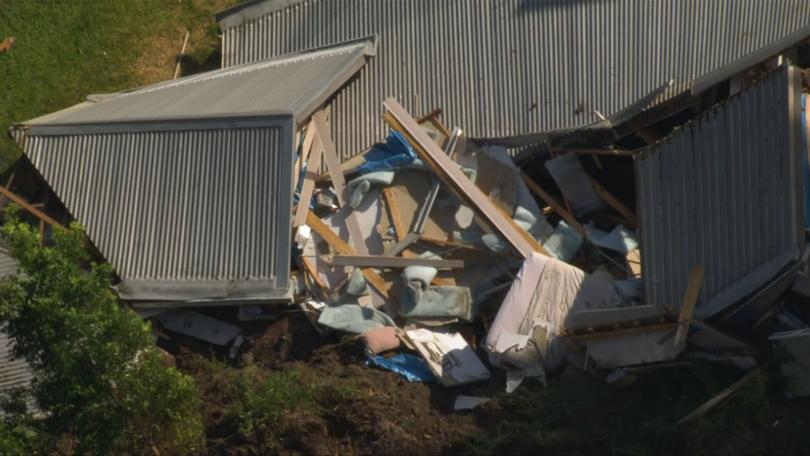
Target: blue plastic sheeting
{"x": 806, "y": 172}
{"x": 395, "y": 153}
{"x": 408, "y": 366}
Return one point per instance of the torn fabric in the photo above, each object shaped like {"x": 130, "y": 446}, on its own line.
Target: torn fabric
{"x": 353, "y": 318}
{"x": 360, "y": 186}
{"x": 421, "y": 299}
{"x": 533, "y": 314}
{"x": 449, "y": 356}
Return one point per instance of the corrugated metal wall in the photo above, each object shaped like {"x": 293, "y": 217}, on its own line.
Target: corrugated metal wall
{"x": 178, "y": 205}
{"x": 724, "y": 192}
{"x": 8, "y": 265}
{"x": 14, "y": 373}
{"x": 510, "y": 67}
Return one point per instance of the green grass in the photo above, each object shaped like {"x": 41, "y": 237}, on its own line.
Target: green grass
{"x": 68, "y": 49}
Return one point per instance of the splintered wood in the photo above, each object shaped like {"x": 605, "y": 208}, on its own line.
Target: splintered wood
{"x": 342, "y": 247}
{"x": 338, "y": 180}
{"x": 28, "y": 207}
{"x": 427, "y": 149}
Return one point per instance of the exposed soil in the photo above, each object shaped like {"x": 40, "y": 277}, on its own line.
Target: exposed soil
{"x": 386, "y": 415}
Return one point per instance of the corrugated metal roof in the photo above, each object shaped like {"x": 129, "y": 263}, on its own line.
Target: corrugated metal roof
{"x": 297, "y": 84}
{"x": 725, "y": 193}
{"x": 183, "y": 210}
{"x": 14, "y": 373}
{"x": 509, "y": 67}
{"x": 185, "y": 186}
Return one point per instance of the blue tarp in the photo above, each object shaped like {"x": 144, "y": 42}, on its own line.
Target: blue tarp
{"x": 408, "y": 366}
{"x": 395, "y": 153}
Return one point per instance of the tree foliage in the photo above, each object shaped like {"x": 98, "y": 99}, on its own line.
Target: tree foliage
{"x": 97, "y": 374}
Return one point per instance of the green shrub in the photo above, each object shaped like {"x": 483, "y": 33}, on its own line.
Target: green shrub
{"x": 20, "y": 432}
{"x": 261, "y": 401}
{"x": 97, "y": 374}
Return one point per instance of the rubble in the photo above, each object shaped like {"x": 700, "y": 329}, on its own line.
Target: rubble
{"x": 792, "y": 349}
{"x": 450, "y": 226}
{"x": 450, "y": 256}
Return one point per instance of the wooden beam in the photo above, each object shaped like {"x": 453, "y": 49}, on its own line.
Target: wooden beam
{"x": 720, "y": 397}
{"x": 553, "y": 204}
{"x": 9, "y": 182}
{"x": 616, "y": 204}
{"x": 690, "y": 299}
{"x": 448, "y": 171}
{"x": 446, "y": 243}
{"x": 343, "y": 248}
{"x": 348, "y": 167}
{"x": 622, "y": 332}
{"x": 431, "y": 115}
{"x": 312, "y": 271}
{"x": 634, "y": 262}
{"x": 182, "y": 53}
{"x": 591, "y": 318}
{"x": 376, "y": 261}
{"x": 440, "y": 126}
{"x": 393, "y": 212}
{"x": 309, "y": 139}
{"x": 313, "y": 165}
{"x": 31, "y": 209}
{"x": 338, "y": 180}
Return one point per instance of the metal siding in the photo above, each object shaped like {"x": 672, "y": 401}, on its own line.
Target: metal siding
{"x": 508, "y": 67}
{"x": 179, "y": 206}
{"x": 8, "y": 265}
{"x": 722, "y": 193}
{"x": 14, "y": 373}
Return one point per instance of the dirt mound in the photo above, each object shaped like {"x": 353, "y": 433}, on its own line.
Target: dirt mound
{"x": 359, "y": 410}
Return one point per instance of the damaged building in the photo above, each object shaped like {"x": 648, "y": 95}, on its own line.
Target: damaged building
{"x": 563, "y": 192}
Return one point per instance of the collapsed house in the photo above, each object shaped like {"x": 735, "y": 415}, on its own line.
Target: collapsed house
{"x": 625, "y": 199}
{"x": 185, "y": 186}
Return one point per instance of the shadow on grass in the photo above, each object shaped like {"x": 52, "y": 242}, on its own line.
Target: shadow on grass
{"x": 190, "y": 64}
{"x": 595, "y": 418}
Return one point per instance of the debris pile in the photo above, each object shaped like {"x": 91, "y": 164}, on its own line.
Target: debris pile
{"x": 448, "y": 259}
{"x": 666, "y": 231}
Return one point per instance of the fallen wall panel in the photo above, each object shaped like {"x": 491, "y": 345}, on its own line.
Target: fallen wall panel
{"x": 724, "y": 193}
{"x": 184, "y": 210}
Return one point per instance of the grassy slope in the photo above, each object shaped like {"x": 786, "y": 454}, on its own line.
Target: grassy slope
{"x": 67, "y": 49}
